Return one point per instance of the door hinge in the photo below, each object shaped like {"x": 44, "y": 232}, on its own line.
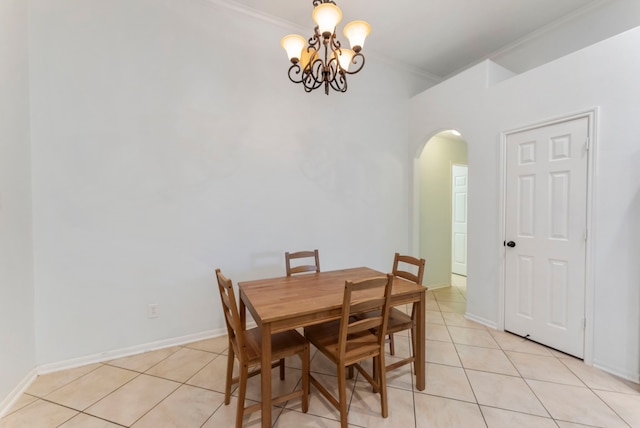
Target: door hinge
{"x": 584, "y": 323}
{"x": 587, "y": 144}
{"x": 586, "y": 234}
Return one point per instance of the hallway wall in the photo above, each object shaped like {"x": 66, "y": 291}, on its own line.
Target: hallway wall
{"x": 488, "y": 100}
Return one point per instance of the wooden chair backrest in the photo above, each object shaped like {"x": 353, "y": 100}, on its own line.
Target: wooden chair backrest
{"x": 366, "y": 295}
{"x": 418, "y": 265}
{"x": 231, "y": 316}
{"x": 302, "y": 268}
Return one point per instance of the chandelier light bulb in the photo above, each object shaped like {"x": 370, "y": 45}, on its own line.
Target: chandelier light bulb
{"x": 344, "y": 58}
{"x": 326, "y": 16}
{"x": 308, "y": 56}
{"x": 356, "y": 32}
{"x": 294, "y": 45}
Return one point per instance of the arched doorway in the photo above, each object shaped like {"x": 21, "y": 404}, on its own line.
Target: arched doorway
{"x": 439, "y": 210}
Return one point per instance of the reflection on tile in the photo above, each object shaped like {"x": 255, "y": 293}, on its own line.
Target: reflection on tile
{"x": 321, "y": 364}
{"x": 40, "y": 414}
{"x": 365, "y": 407}
{"x": 91, "y": 387}
{"x": 511, "y": 342}
{"x": 499, "y": 418}
{"x": 402, "y": 377}
{"x": 47, "y": 383}
{"x": 442, "y": 412}
{"x": 458, "y": 320}
{"x": 449, "y": 382}
{"x": 485, "y": 359}
{"x": 278, "y": 387}
{"x": 457, "y": 307}
{"x": 213, "y": 375}
{"x": 575, "y": 404}
{"x": 225, "y": 416}
{"x": 438, "y": 332}
{"x": 598, "y": 379}
{"x": 539, "y": 367}
{"x": 625, "y": 405}
{"x": 218, "y": 345}
{"x": 133, "y": 400}
{"x": 442, "y": 353}
{"x": 472, "y": 336}
{"x": 144, "y": 361}
{"x": 290, "y": 418}
{"x": 443, "y": 296}
{"x": 318, "y": 404}
{"x": 505, "y": 392}
{"x": 82, "y": 420}
{"x": 187, "y": 406}
{"x": 434, "y": 317}
{"x": 181, "y": 365}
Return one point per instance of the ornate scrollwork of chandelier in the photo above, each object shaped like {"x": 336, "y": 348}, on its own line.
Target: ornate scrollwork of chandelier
{"x": 314, "y": 66}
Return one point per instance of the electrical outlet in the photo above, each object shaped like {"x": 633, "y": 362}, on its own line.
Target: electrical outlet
{"x": 153, "y": 310}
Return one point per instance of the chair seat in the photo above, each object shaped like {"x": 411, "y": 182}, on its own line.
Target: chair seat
{"x": 398, "y": 320}
{"x": 359, "y": 346}
{"x": 283, "y": 344}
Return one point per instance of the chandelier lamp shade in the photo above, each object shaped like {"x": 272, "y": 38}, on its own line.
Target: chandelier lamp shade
{"x": 321, "y": 60}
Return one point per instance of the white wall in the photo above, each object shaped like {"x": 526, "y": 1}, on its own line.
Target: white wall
{"x": 597, "y": 21}
{"x": 17, "y": 346}
{"x": 160, "y": 153}
{"x": 605, "y": 76}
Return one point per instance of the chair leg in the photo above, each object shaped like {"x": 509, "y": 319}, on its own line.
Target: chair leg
{"x": 305, "y": 378}
{"x": 342, "y": 396}
{"x": 376, "y": 373}
{"x": 282, "y": 369}
{"x": 382, "y": 383}
{"x": 392, "y": 345}
{"x": 413, "y": 347}
{"x": 242, "y": 392}
{"x": 229, "y": 381}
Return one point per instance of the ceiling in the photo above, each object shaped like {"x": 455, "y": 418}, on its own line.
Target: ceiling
{"x": 436, "y": 38}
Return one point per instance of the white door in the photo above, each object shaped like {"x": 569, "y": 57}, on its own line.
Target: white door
{"x": 546, "y": 205}
{"x": 459, "y": 219}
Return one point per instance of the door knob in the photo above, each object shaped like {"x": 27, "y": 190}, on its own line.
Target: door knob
{"x": 511, "y": 244}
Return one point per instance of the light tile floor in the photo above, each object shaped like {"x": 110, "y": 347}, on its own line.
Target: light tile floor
{"x": 476, "y": 377}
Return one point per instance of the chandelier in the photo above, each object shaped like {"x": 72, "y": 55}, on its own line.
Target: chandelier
{"x": 314, "y": 66}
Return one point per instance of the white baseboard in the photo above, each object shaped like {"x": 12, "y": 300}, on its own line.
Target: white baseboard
{"x": 437, "y": 286}
{"x": 10, "y": 400}
{"x": 126, "y": 352}
{"x": 14, "y": 395}
{"x": 633, "y": 377}
{"x": 481, "y": 320}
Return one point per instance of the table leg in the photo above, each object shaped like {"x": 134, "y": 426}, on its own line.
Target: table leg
{"x": 243, "y": 315}
{"x": 420, "y": 339}
{"x": 266, "y": 375}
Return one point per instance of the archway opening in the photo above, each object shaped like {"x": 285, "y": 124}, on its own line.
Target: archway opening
{"x": 442, "y": 210}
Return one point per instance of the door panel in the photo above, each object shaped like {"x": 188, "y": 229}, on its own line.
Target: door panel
{"x": 459, "y": 179}
{"x": 546, "y": 200}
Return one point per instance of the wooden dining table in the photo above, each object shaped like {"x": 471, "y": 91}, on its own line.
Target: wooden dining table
{"x": 288, "y": 302}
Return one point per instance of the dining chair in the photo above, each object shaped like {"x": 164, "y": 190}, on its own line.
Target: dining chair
{"x": 399, "y": 320}
{"x": 304, "y": 267}
{"x": 411, "y": 269}
{"x": 348, "y": 341}
{"x": 245, "y": 345}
